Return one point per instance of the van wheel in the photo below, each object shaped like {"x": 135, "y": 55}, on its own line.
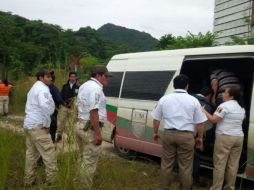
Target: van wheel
{"x": 123, "y": 152}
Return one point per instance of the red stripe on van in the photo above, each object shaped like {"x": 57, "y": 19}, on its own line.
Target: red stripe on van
{"x": 130, "y": 141}
{"x": 111, "y": 117}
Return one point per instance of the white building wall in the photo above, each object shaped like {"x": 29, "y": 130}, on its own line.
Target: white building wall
{"x": 232, "y": 18}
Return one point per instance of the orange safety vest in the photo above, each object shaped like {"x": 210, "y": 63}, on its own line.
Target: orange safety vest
{"x": 4, "y": 90}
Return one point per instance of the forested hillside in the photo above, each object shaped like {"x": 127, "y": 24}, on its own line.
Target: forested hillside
{"x": 26, "y": 45}
{"x": 136, "y": 40}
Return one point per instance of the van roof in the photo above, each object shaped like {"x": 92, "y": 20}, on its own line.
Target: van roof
{"x": 190, "y": 51}
{"x": 168, "y": 59}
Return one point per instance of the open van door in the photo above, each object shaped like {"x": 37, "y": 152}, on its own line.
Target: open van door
{"x": 249, "y": 170}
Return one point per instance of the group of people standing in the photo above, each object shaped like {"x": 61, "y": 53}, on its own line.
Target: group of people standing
{"x": 43, "y": 126}
{"x": 183, "y": 114}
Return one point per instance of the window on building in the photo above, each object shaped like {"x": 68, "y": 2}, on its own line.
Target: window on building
{"x": 145, "y": 85}
{"x": 113, "y": 87}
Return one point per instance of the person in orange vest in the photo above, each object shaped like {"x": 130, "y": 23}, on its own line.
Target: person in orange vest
{"x": 5, "y": 89}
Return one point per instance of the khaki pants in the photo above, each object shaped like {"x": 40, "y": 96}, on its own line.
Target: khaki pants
{"x": 39, "y": 143}
{"x": 177, "y": 147}
{"x": 4, "y": 104}
{"x": 89, "y": 154}
{"x": 227, "y": 152}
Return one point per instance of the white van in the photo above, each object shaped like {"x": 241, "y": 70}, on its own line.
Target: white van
{"x": 141, "y": 79}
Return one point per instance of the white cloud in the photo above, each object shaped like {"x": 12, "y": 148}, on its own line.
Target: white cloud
{"x": 157, "y": 17}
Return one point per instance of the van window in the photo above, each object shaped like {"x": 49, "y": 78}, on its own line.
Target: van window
{"x": 144, "y": 85}
{"x": 113, "y": 87}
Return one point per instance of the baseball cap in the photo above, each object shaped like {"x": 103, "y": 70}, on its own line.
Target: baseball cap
{"x": 100, "y": 69}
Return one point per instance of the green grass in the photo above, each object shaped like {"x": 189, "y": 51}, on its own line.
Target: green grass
{"x": 113, "y": 172}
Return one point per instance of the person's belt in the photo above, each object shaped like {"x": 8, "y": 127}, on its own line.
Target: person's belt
{"x": 174, "y": 129}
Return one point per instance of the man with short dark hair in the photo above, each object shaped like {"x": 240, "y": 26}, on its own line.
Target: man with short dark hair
{"x": 39, "y": 107}
{"x": 180, "y": 112}
{"x": 204, "y": 98}
{"x": 69, "y": 92}
{"x": 70, "y": 89}
{"x": 91, "y": 115}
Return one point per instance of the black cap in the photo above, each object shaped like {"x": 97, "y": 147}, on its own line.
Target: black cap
{"x": 100, "y": 69}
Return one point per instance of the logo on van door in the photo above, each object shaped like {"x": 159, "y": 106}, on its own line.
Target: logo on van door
{"x": 139, "y": 122}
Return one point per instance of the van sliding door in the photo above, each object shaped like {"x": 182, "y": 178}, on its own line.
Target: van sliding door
{"x": 140, "y": 92}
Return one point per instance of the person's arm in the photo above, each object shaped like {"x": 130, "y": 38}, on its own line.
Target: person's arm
{"x": 200, "y": 134}
{"x": 156, "y": 125}
{"x": 156, "y": 115}
{"x": 47, "y": 106}
{"x": 213, "y": 118}
{"x": 94, "y": 119}
{"x": 214, "y": 86}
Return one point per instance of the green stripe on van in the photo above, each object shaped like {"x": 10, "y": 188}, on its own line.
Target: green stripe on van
{"x": 111, "y": 108}
{"x": 127, "y": 124}
{"x": 124, "y": 123}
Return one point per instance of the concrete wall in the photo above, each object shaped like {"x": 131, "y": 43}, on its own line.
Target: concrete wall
{"x": 232, "y": 18}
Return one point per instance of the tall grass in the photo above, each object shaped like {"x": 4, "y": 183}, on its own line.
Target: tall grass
{"x": 113, "y": 172}
{"x": 12, "y": 160}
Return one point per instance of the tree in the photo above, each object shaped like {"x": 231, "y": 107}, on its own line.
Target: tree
{"x": 189, "y": 41}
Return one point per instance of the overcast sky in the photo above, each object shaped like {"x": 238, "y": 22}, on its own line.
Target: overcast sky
{"x": 157, "y": 17}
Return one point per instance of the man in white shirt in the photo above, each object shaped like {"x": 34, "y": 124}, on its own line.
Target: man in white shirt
{"x": 91, "y": 115}
{"x": 39, "y": 107}
{"x": 180, "y": 113}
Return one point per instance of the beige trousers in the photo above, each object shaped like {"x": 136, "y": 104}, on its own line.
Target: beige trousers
{"x": 89, "y": 154}
{"x": 227, "y": 152}
{"x": 4, "y": 104}
{"x": 177, "y": 147}
{"x": 39, "y": 143}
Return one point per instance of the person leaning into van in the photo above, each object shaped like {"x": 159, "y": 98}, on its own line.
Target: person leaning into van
{"x": 180, "y": 112}
{"x": 220, "y": 80}
{"x": 229, "y": 117}
{"x": 91, "y": 115}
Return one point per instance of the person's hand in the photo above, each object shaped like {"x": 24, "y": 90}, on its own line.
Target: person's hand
{"x": 215, "y": 86}
{"x": 156, "y": 137}
{"x": 98, "y": 138}
{"x": 58, "y": 137}
{"x": 199, "y": 143}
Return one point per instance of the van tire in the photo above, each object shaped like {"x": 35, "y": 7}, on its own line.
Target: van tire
{"x": 123, "y": 152}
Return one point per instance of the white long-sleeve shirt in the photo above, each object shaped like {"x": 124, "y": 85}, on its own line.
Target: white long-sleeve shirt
{"x": 39, "y": 106}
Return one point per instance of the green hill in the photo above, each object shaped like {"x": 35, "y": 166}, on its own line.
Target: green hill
{"x": 29, "y": 44}
{"x": 136, "y": 40}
